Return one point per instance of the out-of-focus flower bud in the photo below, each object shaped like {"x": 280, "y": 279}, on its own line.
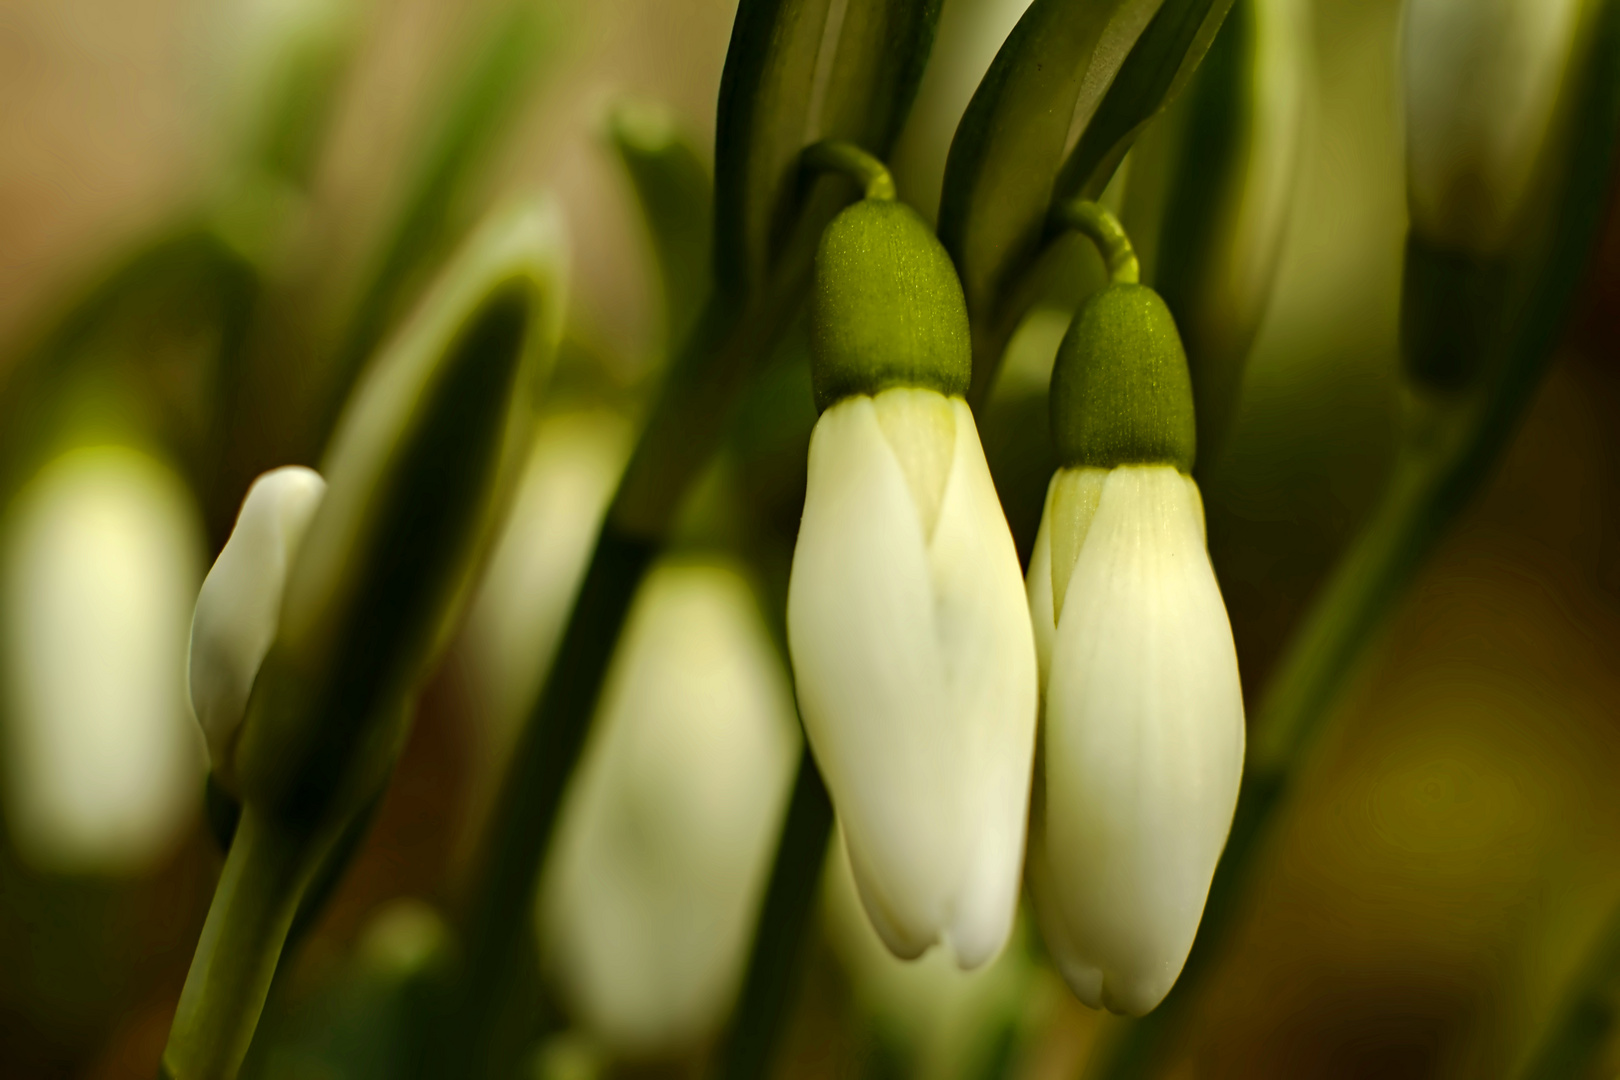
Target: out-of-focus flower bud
{"x": 1142, "y": 730}
{"x": 102, "y": 549}
{"x": 669, "y": 826}
{"x": 413, "y": 476}
{"x": 516, "y": 619}
{"x": 936, "y": 1021}
{"x": 240, "y": 604}
{"x": 1482, "y": 80}
{"x": 909, "y": 634}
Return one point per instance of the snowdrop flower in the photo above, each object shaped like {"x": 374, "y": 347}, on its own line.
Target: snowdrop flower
{"x": 101, "y": 554}
{"x": 239, "y": 606}
{"x": 670, "y": 824}
{"x": 1482, "y": 81}
{"x": 909, "y": 635}
{"x": 1142, "y": 728}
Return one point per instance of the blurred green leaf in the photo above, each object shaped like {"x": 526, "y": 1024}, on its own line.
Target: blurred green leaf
{"x": 1209, "y": 195}
{"x": 412, "y": 474}
{"x": 676, "y": 197}
{"x": 478, "y": 108}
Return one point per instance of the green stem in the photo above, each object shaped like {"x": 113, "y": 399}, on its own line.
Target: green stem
{"x": 836, "y": 155}
{"x": 264, "y": 876}
{"x": 1103, "y": 229}
{"x": 790, "y": 901}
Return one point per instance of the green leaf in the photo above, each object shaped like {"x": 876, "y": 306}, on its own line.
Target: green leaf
{"x": 1210, "y": 191}
{"x": 413, "y": 475}
{"x": 1154, "y": 72}
{"x": 792, "y": 79}
{"x": 999, "y": 176}
{"x": 676, "y": 196}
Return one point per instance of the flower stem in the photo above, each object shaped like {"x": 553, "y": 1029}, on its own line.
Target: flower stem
{"x": 790, "y": 901}
{"x": 835, "y": 155}
{"x": 1103, "y": 229}
{"x": 265, "y": 874}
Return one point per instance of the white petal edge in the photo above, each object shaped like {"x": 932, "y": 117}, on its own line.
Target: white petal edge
{"x": 991, "y": 675}
{"x": 869, "y": 676}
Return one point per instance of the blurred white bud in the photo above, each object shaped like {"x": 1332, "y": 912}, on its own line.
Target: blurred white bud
{"x": 102, "y": 550}
{"x": 915, "y": 668}
{"x": 523, "y": 600}
{"x": 670, "y": 823}
{"x": 1482, "y": 80}
{"x": 1142, "y": 730}
{"x": 239, "y": 605}
{"x": 516, "y": 617}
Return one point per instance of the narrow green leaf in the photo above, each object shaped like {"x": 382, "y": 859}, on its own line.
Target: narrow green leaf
{"x": 1210, "y": 190}
{"x": 1154, "y": 72}
{"x": 760, "y": 127}
{"x": 799, "y": 71}
{"x": 1051, "y": 71}
{"x": 412, "y": 477}
{"x": 676, "y": 197}
{"x": 883, "y": 47}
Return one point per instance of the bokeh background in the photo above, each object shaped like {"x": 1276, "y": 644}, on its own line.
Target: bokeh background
{"x": 1453, "y": 846}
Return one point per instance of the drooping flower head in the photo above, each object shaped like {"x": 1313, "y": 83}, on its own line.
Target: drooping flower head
{"x": 906, "y": 622}
{"x": 1142, "y": 728}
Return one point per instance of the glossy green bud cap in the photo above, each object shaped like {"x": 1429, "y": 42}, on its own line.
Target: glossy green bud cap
{"x": 1121, "y": 392}
{"x": 886, "y": 308}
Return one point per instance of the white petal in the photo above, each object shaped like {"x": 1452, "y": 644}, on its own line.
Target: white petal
{"x": 982, "y": 620}
{"x": 916, "y": 678}
{"x": 102, "y": 552}
{"x": 1143, "y": 746}
{"x": 240, "y": 603}
{"x": 670, "y": 824}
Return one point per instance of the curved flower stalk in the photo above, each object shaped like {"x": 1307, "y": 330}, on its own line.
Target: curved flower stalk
{"x": 1142, "y": 728}
{"x": 668, "y": 829}
{"x": 239, "y": 605}
{"x": 906, "y": 624}
{"x": 101, "y": 553}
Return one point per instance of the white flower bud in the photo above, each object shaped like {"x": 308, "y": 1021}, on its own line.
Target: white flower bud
{"x": 670, "y": 824}
{"x": 1142, "y": 730}
{"x": 1482, "y": 79}
{"x": 239, "y": 605}
{"x": 916, "y": 667}
{"x": 102, "y": 550}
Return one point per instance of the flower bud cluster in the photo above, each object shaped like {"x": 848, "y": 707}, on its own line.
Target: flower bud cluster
{"x": 921, "y": 661}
